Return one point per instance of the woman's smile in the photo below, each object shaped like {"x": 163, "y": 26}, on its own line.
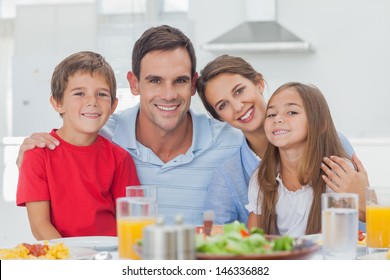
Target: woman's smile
{"x": 248, "y": 116}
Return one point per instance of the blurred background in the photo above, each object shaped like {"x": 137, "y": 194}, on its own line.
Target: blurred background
{"x": 343, "y": 47}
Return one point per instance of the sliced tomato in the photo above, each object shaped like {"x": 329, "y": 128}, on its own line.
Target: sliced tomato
{"x": 361, "y": 236}
{"x": 36, "y": 249}
{"x": 244, "y": 233}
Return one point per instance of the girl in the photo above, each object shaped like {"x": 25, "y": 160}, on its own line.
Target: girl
{"x": 285, "y": 193}
{"x": 232, "y": 91}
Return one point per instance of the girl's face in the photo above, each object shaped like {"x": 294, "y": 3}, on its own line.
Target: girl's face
{"x": 286, "y": 122}
{"x": 237, "y": 100}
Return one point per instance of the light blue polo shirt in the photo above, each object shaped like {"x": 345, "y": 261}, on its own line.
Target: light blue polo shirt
{"x": 182, "y": 182}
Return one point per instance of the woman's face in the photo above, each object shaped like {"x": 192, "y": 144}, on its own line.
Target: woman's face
{"x": 237, "y": 100}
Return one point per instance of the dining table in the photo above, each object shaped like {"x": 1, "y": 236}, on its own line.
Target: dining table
{"x": 88, "y": 247}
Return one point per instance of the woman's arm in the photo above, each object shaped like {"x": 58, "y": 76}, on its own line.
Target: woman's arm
{"x": 219, "y": 199}
{"x": 342, "y": 177}
{"x": 39, "y": 217}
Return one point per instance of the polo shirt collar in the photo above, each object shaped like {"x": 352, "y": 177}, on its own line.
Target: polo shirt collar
{"x": 202, "y": 136}
{"x": 125, "y": 133}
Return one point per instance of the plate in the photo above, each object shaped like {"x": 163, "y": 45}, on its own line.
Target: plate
{"x": 303, "y": 251}
{"x": 79, "y": 253}
{"x": 317, "y": 238}
{"x": 98, "y": 243}
{"x": 75, "y": 253}
{"x": 375, "y": 256}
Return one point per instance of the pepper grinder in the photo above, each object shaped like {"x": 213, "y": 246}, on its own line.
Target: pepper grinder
{"x": 208, "y": 220}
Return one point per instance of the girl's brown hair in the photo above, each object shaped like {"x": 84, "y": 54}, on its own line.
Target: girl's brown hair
{"x": 322, "y": 141}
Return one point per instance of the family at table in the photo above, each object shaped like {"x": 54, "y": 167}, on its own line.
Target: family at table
{"x": 265, "y": 164}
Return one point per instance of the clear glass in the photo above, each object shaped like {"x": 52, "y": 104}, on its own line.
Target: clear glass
{"x": 134, "y": 212}
{"x": 340, "y": 225}
{"x": 378, "y": 219}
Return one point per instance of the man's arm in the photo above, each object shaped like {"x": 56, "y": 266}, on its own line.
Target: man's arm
{"x": 36, "y": 140}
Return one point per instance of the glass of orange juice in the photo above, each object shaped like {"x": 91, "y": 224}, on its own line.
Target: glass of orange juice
{"x": 378, "y": 219}
{"x": 134, "y": 212}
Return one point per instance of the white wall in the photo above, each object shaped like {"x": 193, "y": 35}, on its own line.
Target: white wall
{"x": 39, "y": 46}
{"x": 374, "y": 153}
{"x": 350, "y": 63}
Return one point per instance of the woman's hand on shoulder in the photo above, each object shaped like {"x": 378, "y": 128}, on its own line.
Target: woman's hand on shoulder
{"x": 342, "y": 176}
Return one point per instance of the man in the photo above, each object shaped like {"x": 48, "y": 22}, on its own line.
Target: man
{"x": 172, "y": 147}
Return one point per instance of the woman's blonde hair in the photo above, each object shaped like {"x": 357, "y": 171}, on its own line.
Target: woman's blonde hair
{"x": 322, "y": 141}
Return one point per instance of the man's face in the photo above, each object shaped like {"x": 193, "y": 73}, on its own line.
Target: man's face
{"x": 165, "y": 88}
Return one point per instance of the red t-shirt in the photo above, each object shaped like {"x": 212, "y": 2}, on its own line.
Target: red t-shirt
{"x": 81, "y": 183}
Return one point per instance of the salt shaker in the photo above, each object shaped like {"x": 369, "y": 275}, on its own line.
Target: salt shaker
{"x": 185, "y": 239}
{"x": 159, "y": 241}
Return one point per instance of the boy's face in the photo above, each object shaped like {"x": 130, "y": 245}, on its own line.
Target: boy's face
{"x": 86, "y": 105}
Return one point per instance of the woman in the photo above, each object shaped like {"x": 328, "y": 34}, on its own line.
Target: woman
{"x": 232, "y": 91}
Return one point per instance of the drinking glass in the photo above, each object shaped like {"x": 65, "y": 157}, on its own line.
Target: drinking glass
{"x": 135, "y": 211}
{"x": 378, "y": 219}
{"x": 340, "y": 225}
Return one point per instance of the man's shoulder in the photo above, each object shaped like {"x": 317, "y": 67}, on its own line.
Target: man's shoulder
{"x": 114, "y": 148}
{"x": 119, "y": 123}
{"x": 216, "y": 127}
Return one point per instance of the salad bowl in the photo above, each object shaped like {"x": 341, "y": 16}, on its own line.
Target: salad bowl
{"x": 236, "y": 242}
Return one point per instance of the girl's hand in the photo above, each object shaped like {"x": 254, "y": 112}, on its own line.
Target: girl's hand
{"x": 342, "y": 177}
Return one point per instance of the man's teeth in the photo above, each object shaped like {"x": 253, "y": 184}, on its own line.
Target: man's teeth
{"x": 244, "y": 117}
{"x": 167, "y": 108}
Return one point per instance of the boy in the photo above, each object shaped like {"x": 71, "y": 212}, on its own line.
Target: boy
{"x": 71, "y": 191}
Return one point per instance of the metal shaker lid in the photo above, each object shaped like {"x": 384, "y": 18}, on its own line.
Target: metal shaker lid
{"x": 159, "y": 241}
{"x": 185, "y": 239}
